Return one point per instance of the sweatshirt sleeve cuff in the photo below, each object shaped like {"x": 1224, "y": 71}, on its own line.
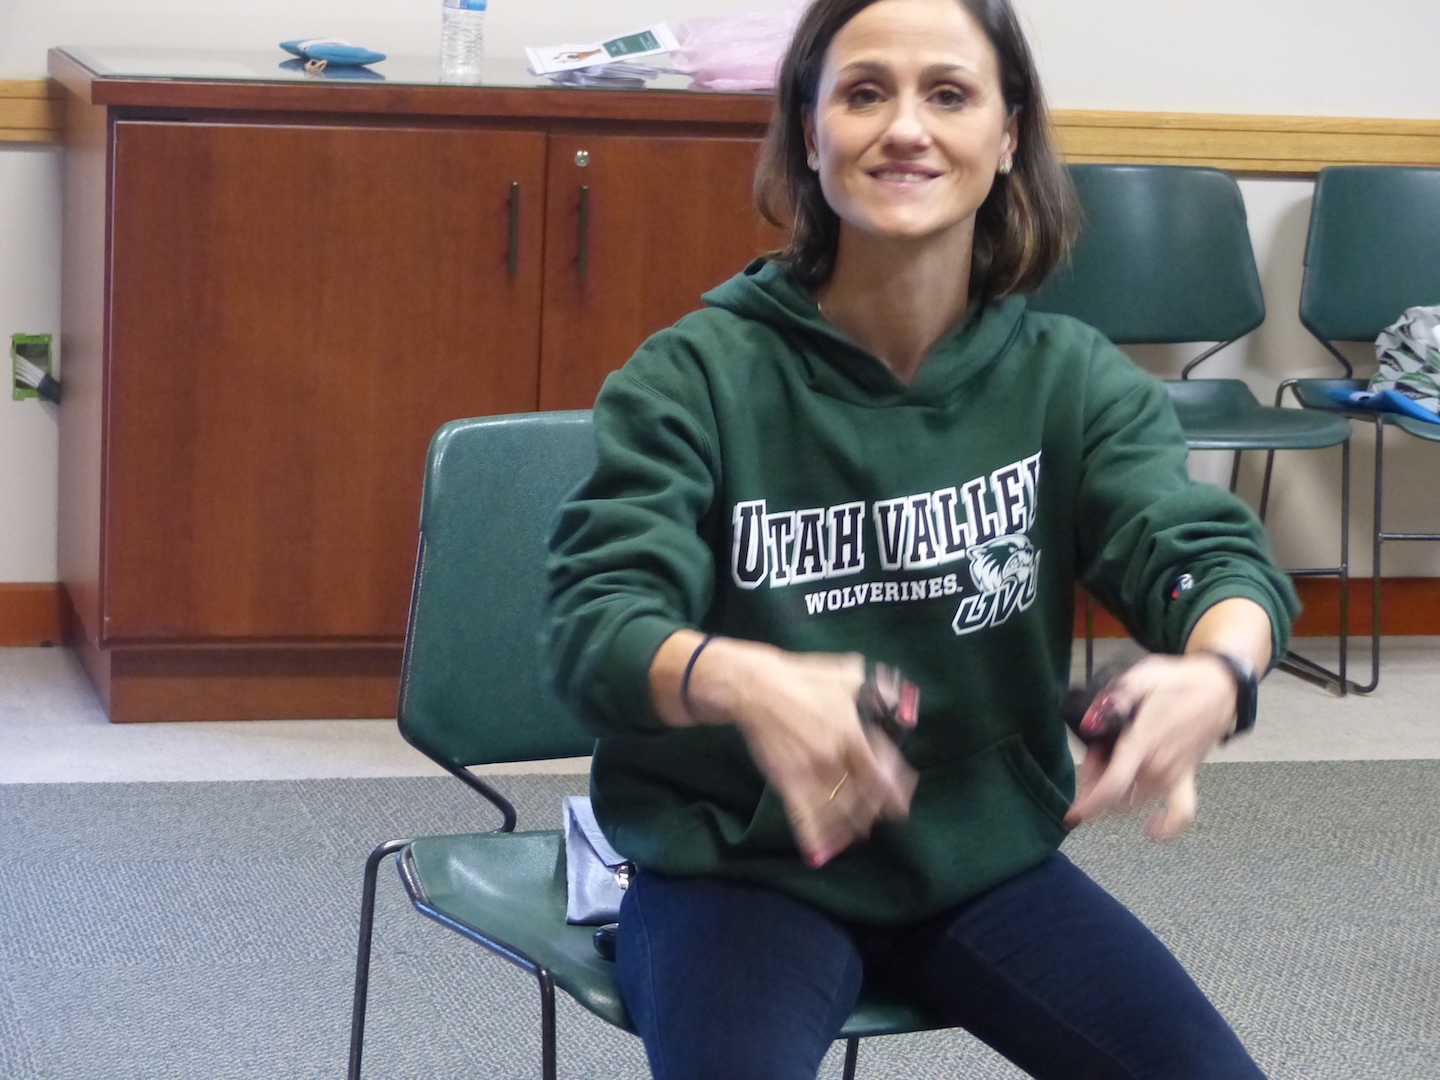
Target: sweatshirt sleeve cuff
{"x": 1230, "y": 588}
{"x": 625, "y": 682}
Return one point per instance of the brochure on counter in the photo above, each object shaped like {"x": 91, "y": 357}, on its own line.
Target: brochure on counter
{"x": 552, "y": 59}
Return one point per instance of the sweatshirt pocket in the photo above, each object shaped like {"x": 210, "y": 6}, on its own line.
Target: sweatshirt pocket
{"x": 1003, "y": 780}
{"x": 768, "y": 830}
{"x": 974, "y": 822}
{"x": 1033, "y": 779}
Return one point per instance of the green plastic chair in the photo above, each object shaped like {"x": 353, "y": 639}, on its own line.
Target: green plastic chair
{"x": 1164, "y": 257}
{"x": 472, "y": 693}
{"x": 1373, "y": 250}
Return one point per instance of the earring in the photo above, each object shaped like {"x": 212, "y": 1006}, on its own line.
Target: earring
{"x": 813, "y": 161}
{"x": 1006, "y": 165}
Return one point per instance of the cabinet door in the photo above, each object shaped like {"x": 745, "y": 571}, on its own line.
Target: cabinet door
{"x": 632, "y": 238}
{"x": 293, "y": 312}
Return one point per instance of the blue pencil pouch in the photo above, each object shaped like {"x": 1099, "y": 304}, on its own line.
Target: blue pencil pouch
{"x": 1382, "y": 401}
{"x": 332, "y": 51}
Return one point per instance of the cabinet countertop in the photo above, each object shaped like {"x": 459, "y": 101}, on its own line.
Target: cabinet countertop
{"x": 248, "y": 81}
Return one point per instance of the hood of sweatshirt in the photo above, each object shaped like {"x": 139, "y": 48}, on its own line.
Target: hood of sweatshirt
{"x": 767, "y": 292}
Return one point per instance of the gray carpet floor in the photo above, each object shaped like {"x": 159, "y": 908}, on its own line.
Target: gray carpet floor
{"x": 206, "y": 931}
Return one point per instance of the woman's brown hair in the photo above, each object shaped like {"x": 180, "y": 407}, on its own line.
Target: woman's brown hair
{"x": 1022, "y": 229}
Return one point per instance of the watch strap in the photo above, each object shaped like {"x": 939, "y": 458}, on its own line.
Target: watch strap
{"x": 1247, "y": 691}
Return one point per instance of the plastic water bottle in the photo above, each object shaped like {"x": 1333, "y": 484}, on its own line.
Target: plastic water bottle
{"x": 462, "y": 40}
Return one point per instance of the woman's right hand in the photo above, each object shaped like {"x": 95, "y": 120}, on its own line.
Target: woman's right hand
{"x": 798, "y": 715}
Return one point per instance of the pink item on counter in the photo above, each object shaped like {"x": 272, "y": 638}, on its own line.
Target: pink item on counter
{"x": 736, "y": 53}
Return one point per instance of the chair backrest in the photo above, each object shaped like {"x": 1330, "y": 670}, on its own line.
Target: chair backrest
{"x": 472, "y": 690}
{"x": 1163, "y": 256}
{"x": 1373, "y": 249}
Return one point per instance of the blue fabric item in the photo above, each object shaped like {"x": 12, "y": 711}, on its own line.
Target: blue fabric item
{"x": 593, "y": 884}
{"x": 332, "y": 51}
{"x": 727, "y": 979}
{"x": 1382, "y": 401}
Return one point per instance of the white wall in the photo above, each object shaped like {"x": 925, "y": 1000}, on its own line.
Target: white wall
{"x": 1276, "y": 57}
{"x": 29, "y": 304}
{"x": 1322, "y": 57}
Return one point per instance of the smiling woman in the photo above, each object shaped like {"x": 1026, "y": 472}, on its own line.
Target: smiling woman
{"x": 866, "y": 451}
{"x": 896, "y": 120}
{"x": 1023, "y": 226}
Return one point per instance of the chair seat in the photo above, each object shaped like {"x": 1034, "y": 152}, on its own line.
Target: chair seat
{"x": 1315, "y": 394}
{"x": 1222, "y": 414}
{"x": 507, "y": 891}
{"x": 881, "y": 1014}
{"x": 1421, "y": 429}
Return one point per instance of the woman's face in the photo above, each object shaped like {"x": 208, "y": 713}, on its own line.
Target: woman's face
{"x": 910, "y": 125}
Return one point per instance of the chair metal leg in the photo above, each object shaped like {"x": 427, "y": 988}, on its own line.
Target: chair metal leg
{"x": 1378, "y": 537}
{"x": 1378, "y": 540}
{"x": 1294, "y": 663}
{"x": 852, "y": 1055}
{"x": 1344, "y": 643}
{"x": 1302, "y": 667}
{"x": 547, "y": 1024}
{"x": 1235, "y": 472}
{"x": 362, "y": 957}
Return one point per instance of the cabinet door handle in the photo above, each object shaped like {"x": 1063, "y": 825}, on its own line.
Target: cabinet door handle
{"x": 582, "y": 252}
{"x": 512, "y": 252}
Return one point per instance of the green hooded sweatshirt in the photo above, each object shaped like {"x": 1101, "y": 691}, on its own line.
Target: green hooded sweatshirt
{"x": 761, "y": 476}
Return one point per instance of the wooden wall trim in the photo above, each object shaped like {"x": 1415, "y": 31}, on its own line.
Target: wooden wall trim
{"x": 31, "y": 111}
{"x": 1288, "y": 145}
{"x": 31, "y": 613}
{"x": 1408, "y": 607}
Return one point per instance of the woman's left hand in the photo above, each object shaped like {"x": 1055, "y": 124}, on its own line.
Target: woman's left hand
{"x": 1186, "y": 704}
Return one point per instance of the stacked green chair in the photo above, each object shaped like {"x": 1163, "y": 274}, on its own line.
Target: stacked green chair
{"x": 1164, "y": 257}
{"x": 1373, "y": 250}
{"x": 472, "y": 693}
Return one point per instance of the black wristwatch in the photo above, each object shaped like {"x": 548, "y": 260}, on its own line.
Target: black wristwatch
{"x": 1247, "y": 692}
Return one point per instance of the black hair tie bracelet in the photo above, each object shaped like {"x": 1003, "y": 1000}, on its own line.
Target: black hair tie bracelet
{"x": 690, "y": 667}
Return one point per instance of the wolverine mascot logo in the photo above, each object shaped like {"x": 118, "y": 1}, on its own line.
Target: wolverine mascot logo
{"x": 1003, "y": 571}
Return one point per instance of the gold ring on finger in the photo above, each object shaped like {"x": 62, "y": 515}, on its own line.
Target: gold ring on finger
{"x": 836, "y": 789}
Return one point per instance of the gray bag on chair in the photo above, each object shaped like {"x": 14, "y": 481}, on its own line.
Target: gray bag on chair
{"x": 1408, "y": 355}
{"x": 596, "y": 875}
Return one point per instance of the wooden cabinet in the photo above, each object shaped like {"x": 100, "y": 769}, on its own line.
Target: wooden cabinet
{"x": 635, "y": 234}
{"x": 275, "y": 294}
{"x": 294, "y": 311}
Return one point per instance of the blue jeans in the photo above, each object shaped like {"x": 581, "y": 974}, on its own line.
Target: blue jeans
{"x": 727, "y": 981}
